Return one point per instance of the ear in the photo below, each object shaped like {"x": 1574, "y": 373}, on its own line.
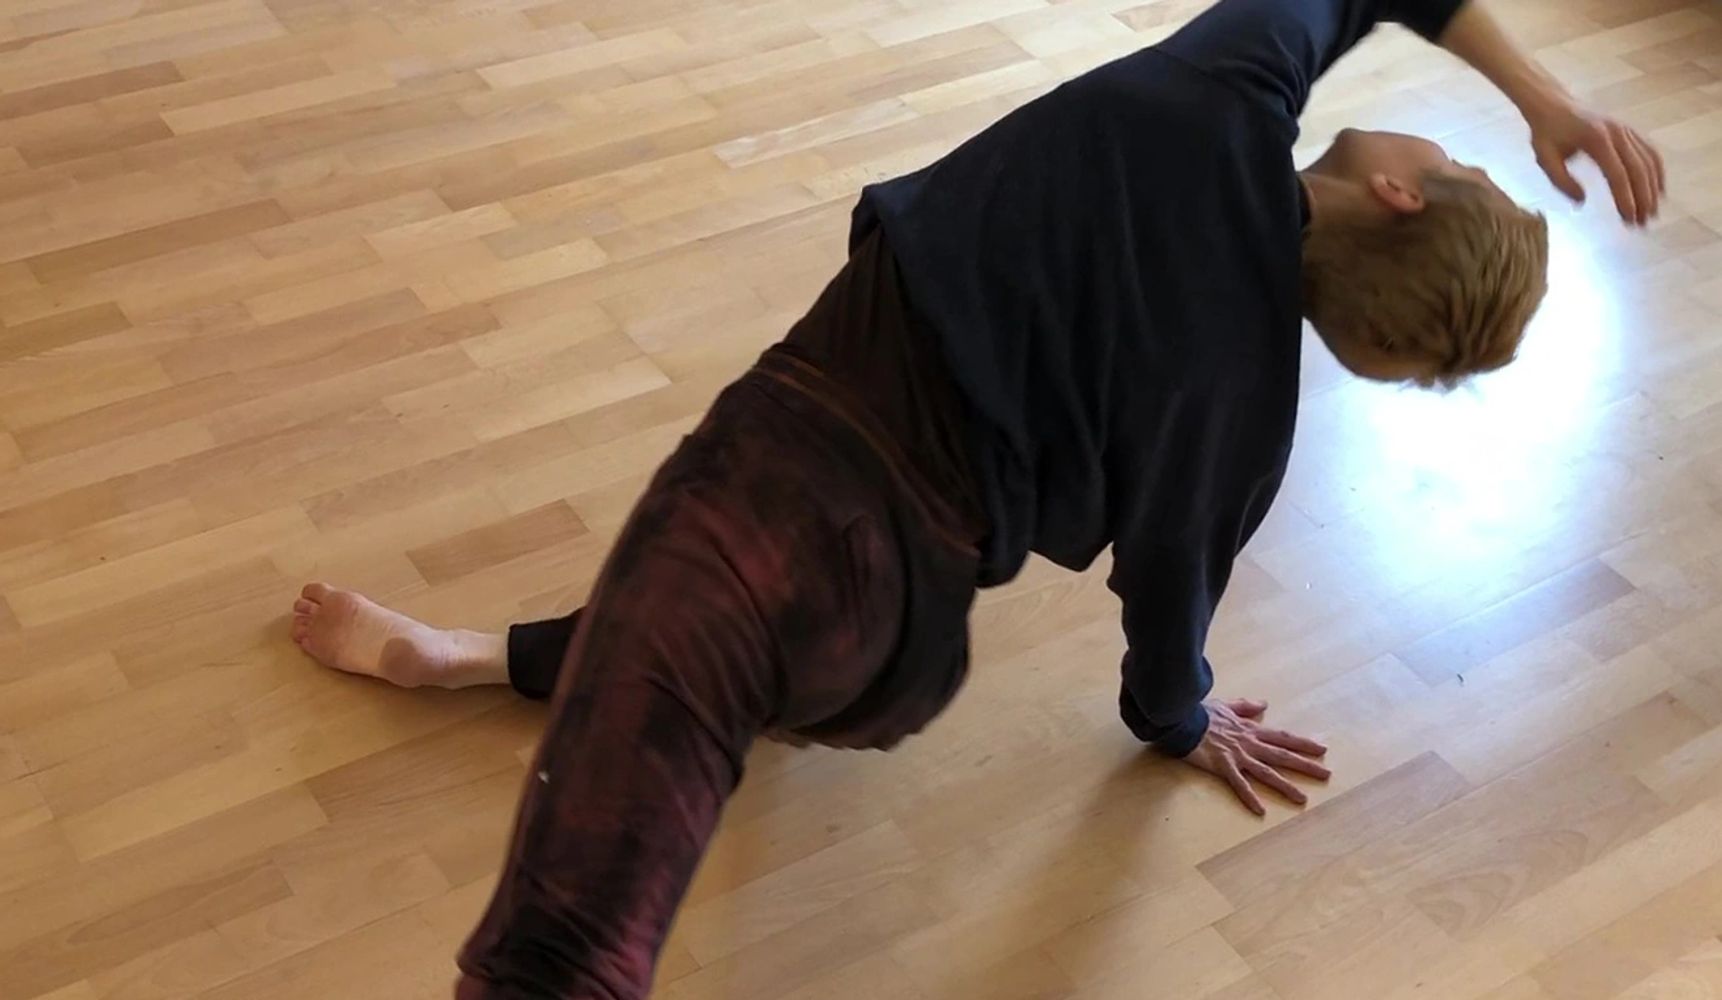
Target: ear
{"x": 1399, "y": 197}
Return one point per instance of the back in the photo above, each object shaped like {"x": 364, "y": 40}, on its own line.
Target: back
{"x": 1112, "y": 274}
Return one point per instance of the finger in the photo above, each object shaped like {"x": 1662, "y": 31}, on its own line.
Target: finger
{"x": 1640, "y": 172}
{"x": 1290, "y": 741}
{"x": 1247, "y": 709}
{"x": 1658, "y": 173}
{"x": 1245, "y": 791}
{"x": 1555, "y": 166}
{"x": 1289, "y": 761}
{"x": 1275, "y": 780}
{"x": 1600, "y": 147}
{"x": 1656, "y": 158}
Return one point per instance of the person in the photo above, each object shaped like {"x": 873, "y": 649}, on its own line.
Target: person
{"x": 1080, "y": 328}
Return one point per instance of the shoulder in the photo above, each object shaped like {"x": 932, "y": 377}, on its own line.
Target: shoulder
{"x": 1158, "y": 88}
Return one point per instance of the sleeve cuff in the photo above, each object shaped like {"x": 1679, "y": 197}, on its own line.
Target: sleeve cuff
{"x": 1428, "y": 18}
{"x": 1173, "y": 741}
{"x": 1185, "y": 736}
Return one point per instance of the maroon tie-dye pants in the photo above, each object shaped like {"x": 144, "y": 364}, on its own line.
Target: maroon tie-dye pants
{"x": 803, "y": 565}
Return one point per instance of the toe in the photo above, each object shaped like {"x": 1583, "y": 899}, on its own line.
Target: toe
{"x": 316, "y": 593}
{"x": 304, "y": 607}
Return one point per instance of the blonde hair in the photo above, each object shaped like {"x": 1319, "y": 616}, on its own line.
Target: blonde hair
{"x": 1453, "y": 285}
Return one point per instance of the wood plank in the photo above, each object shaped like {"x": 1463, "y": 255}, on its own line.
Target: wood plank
{"x": 47, "y": 962}
{"x": 305, "y": 234}
{"x": 497, "y": 543}
{"x": 1265, "y": 865}
{"x": 111, "y": 582}
{"x": 17, "y": 104}
{"x": 62, "y": 330}
{"x": 290, "y": 97}
{"x": 1481, "y": 637}
{"x": 47, "y": 694}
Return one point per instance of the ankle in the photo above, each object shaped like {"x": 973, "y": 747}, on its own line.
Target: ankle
{"x": 480, "y": 658}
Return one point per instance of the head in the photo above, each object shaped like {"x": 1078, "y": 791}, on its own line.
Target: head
{"x": 1417, "y": 268}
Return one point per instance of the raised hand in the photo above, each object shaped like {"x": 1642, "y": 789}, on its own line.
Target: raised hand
{"x": 1632, "y": 165}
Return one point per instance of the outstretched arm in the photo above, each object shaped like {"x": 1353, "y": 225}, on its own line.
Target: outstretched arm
{"x": 1274, "y": 51}
{"x": 1560, "y": 127}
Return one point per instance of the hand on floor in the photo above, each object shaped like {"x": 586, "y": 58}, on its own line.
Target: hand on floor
{"x": 1239, "y": 749}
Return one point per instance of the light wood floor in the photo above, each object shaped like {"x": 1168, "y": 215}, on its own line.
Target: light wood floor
{"x": 411, "y": 295}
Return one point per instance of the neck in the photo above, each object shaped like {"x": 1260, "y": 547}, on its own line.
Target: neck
{"x": 1333, "y": 200}
{"x": 1319, "y": 189}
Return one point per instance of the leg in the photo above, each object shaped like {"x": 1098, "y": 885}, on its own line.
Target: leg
{"x": 665, "y": 690}
{"x": 352, "y": 633}
{"x": 753, "y": 587}
{"x": 536, "y": 651}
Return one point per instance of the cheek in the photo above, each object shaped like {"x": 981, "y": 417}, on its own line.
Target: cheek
{"x": 1371, "y": 363}
{"x": 1397, "y": 371}
{"x": 1355, "y": 356}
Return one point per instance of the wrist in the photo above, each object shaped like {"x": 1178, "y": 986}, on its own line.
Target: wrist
{"x": 1536, "y": 94}
{"x": 1186, "y": 735}
{"x": 1473, "y": 35}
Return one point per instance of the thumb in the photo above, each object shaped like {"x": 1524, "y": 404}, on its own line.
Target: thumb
{"x": 1555, "y": 166}
{"x": 1245, "y": 708}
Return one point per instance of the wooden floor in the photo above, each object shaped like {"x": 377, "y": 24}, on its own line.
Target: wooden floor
{"x": 411, "y": 295}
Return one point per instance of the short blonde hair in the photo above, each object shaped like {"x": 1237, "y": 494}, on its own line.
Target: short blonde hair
{"x": 1453, "y": 285}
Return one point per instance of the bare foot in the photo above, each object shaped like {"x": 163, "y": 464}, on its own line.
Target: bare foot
{"x": 344, "y": 630}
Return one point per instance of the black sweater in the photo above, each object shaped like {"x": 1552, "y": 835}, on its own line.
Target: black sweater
{"x": 1113, "y": 273}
